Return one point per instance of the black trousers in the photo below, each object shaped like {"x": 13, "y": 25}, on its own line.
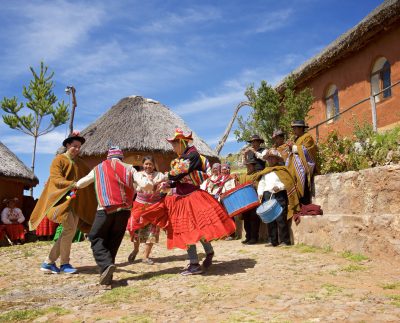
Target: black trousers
{"x": 306, "y": 198}
{"x": 106, "y": 236}
{"x": 279, "y": 230}
{"x": 251, "y": 224}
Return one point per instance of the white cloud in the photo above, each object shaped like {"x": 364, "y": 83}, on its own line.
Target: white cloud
{"x": 47, "y": 144}
{"x": 171, "y": 22}
{"x": 47, "y": 31}
{"x": 272, "y": 21}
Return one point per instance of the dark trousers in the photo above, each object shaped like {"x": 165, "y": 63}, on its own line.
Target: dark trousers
{"x": 279, "y": 230}
{"x": 106, "y": 236}
{"x": 251, "y": 224}
{"x": 306, "y": 198}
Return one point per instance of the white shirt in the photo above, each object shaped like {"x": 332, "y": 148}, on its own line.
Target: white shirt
{"x": 261, "y": 155}
{"x": 268, "y": 182}
{"x": 9, "y": 215}
{"x": 209, "y": 186}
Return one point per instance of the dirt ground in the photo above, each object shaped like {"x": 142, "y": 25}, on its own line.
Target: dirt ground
{"x": 246, "y": 284}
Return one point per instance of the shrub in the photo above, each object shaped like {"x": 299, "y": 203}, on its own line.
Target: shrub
{"x": 364, "y": 149}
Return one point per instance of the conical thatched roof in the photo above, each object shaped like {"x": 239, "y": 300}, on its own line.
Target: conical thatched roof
{"x": 379, "y": 20}
{"x": 136, "y": 124}
{"x": 12, "y": 168}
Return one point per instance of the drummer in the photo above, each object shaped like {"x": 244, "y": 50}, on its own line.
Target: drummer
{"x": 277, "y": 181}
{"x": 250, "y": 217}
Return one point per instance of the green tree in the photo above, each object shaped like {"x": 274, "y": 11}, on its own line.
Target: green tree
{"x": 272, "y": 110}
{"x": 41, "y": 101}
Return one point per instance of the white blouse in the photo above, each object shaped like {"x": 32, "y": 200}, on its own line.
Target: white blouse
{"x": 145, "y": 182}
{"x": 9, "y": 216}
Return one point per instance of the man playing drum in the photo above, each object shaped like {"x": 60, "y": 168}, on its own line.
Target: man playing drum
{"x": 277, "y": 181}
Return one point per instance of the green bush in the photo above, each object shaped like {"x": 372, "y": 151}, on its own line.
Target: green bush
{"x": 364, "y": 149}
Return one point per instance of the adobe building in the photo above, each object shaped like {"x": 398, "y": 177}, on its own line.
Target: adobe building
{"x": 359, "y": 64}
{"x": 140, "y": 127}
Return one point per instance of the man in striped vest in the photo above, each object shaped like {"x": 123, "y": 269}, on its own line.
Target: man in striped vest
{"x": 114, "y": 191}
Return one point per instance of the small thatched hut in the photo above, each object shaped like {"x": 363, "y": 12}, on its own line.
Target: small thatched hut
{"x": 15, "y": 176}
{"x": 139, "y": 126}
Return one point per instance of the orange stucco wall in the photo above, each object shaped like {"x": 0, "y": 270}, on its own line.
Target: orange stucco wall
{"x": 352, "y": 75}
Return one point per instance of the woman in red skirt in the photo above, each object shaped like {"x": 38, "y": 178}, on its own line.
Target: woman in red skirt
{"x": 146, "y": 198}
{"x": 13, "y": 218}
{"x": 193, "y": 214}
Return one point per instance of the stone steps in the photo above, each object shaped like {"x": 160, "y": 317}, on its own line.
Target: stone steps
{"x": 370, "y": 234}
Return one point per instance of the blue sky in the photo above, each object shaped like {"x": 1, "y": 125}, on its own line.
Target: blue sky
{"x": 196, "y": 57}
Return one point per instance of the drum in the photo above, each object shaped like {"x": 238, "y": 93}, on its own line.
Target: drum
{"x": 269, "y": 211}
{"x": 240, "y": 199}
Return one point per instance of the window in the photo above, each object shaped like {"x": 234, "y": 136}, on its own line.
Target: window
{"x": 380, "y": 79}
{"x": 332, "y": 103}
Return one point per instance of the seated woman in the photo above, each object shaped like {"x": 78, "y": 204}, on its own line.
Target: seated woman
{"x": 212, "y": 183}
{"x": 147, "y": 181}
{"x": 13, "y": 218}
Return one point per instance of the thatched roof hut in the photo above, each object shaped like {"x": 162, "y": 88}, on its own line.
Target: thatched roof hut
{"x": 13, "y": 169}
{"x": 14, "y": 178}
{"x": 139, "y": 126}
{"x": 383, "y": 18}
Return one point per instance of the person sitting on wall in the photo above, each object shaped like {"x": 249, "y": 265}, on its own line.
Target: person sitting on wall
{"x": 13, "y": 218}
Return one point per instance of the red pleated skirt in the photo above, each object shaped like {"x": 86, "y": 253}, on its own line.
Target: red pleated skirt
{"x": 46, "y": 228}
{"x": 15, "y": 231}
{"x": 143, "y": 214}
{"x": 193, "y": 217}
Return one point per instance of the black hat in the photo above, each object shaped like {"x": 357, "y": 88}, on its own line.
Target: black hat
{"x": 75, "y": 135}
{"x": 254, "y": 138}
{"x": 299, "y": 123}
{"x": 250, "y": 158}
{"x": 277, "y": 132}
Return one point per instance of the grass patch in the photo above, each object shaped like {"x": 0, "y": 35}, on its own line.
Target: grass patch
{"x": 303, "y": 248}
{"x": 331, "y": 289}
{"x": 126, "y": 294}
{"x": 119, "y": 295}
{"x": 391, "y": 285}
{"x": 356, "y": 257}
{"x": 352, "y": 268}
{"x": 395, "y": 300}
{"x": 31, "y": 314}
{"x": 136, "y": 318}
{"x": 327, "y": 249}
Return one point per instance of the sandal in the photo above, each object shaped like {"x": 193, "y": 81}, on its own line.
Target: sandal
{"x": 132, "y": 256}
{"x": 148, "y": 261}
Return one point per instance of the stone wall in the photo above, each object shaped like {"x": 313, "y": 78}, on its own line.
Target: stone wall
{"x": 361, "y": 212}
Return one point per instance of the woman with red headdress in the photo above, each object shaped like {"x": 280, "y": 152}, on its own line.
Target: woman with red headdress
{"x": 193, "y": 214}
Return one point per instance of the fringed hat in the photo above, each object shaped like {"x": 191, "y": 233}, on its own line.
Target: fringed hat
{"x": 179, "y": 135}
{"x": 74, "y": 135}
{"x": 115, "y": 152}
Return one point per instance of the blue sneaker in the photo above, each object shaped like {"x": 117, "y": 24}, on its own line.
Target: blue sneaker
{"x": 68, "y": 269}
{"x": 49, "y": 268}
